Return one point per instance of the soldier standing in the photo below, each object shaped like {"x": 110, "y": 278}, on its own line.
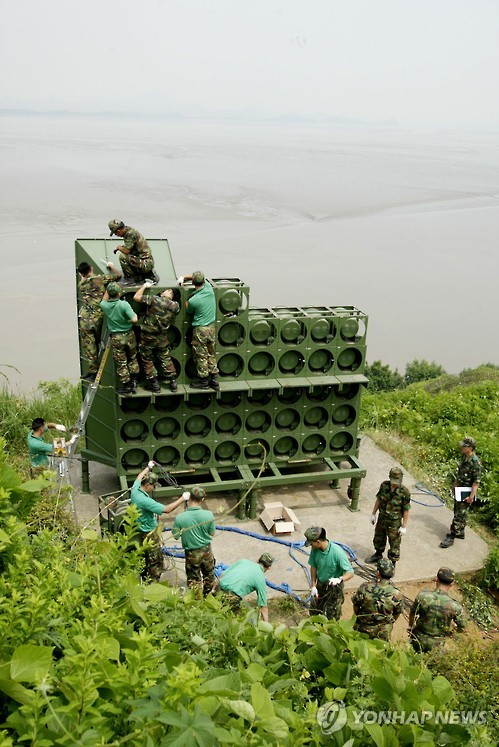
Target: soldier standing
{"x": 160, "y": 312}
{"x": 329, "y": 568}
{"x": 434, "y": 614}
{"x": 92, "y": 288}
{"x": 393, "y": 502}
{"x": 201, "y": 305}
{"x": 469, "y": 474}
{"x": 120, "y": 316}
{"x": 243, "y": 577}
{"x": 377, "y": 605}
{"x": 195, "y": 528}
{"x": 136, "y": 258}
{"x": 149, "y": 510}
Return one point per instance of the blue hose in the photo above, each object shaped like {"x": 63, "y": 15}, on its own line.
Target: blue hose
{"x": 175, "y": 552}
{"x": 422, "y": 488}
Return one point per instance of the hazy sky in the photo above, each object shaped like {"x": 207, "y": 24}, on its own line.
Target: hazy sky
{"x": 411, "y": 61}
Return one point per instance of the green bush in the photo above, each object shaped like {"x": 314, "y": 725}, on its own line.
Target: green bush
{"x": 90, "y": 656}
{"x": 489, "y": 575}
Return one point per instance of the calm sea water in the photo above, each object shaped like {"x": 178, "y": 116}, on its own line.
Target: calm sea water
{"x": 401, "y": 224}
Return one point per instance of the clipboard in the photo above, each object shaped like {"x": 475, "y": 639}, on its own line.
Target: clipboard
{"x": 461, "y": 493}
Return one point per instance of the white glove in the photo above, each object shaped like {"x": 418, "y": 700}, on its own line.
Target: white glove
{"x": 151, "y": 464}
{"x": 334, "y": 581}
{"x": 402, "y": 530}
{"x": 373, "y": 519}
{"x": 148, "y": 283}
{"x": 314, "y": 592}
{"x": 60, "y": 427}
{"x": 186, "y": 496}
{"x": 180, "y": 280}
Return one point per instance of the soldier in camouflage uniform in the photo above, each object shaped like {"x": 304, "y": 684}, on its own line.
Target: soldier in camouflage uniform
{"x": 136, "y": 258}
{"x": 201, "y": 305}
{"x": 149, "y": 510}
{"x": 195, "y": 528}
{"x": 435, "y": 614}
{"x": 393, "y": 501}
{"x": 329, "y": 569}
{"x": 120, "y": 316}
{"x": 377, "y": 605}
{"x": 92, "y": 288}
{"x": 469, "y": 474}
{"x": 160, "y": 312}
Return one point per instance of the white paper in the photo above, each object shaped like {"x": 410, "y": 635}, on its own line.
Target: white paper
{"x": 461, "y": 493}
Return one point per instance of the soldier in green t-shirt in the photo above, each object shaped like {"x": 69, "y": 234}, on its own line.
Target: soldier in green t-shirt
{"x": 119, "y": 317}
{"x": 243, "y": 577}
{"x": 195, "y": 528}
{"x": 202, "y": 307}
{"x": 434, "y": 614}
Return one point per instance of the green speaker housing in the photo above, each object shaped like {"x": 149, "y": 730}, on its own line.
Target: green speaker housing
{"x": 287, "y": 409}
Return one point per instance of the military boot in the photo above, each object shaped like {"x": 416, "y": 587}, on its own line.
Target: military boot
{"x": 125, "y": 389}
{"x": 200, "y": 383}
{"x": 214, "y": 382}
{"x": 374, "y": 558}
{"x": 459, "y": 536}
{"x": 173, "y": 385}
{"x": 152, "y": 385}
{"x": 448, "y": 541}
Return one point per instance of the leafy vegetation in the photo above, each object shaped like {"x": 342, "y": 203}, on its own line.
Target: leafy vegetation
{"x": 433, "y": 418}
{"x": 90, "y": 656}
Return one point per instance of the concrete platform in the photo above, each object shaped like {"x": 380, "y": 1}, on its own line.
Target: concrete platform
{"x": 316, "y": 504}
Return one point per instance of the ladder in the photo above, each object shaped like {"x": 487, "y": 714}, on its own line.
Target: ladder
{"x": 79, "y": 426}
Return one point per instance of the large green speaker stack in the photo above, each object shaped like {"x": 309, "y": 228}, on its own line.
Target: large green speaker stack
{"x": 288, "y": 405}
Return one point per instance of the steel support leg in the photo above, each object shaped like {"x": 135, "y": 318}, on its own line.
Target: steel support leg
{"x": 241, "y": 509}
{"x": 354, "y": 493}
{"x": 253, "y": 500}
{"x": 334, "y": 483}
{"x": 85, "y": 476}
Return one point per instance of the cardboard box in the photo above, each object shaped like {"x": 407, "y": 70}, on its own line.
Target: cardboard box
{"x": 278, "y": 519}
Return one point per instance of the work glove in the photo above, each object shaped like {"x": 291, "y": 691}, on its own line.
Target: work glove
{"x": 60, "y": 427}
{"x": 180, "y": 280}
{"x": 314, "y": 592}
{"x": 151, "y": 464}
{"x": 148, "y": 283}
{"x": 334, "y": 581}
{"x": 402, "y": 530}
{"x": 373, "y": 519}
{"x": 186, "y": 495}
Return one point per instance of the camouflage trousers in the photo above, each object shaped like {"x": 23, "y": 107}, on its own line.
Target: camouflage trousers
{"x": 153, "y": 556}
{"x": 232, "y": 600}
{"x": 125, "y": 355}
{"x": 90, "y": 334}
{"x": 460, "y": 519}
{"x": 382, "y": 631}
{"x": 387, "y": 530}
{"x": 151, "y": 345}
{"x": 423, "y": 643}
{"x": 203, "y": 350}
{"x": 329, "y": 602}
{"x": 199, "y": 569}
{"x": 134, "y": 266}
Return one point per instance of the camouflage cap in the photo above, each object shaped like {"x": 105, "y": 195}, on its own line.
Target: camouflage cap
{"x": 385, "y": 567}
{"x": 151, "y": 478}
{"x": 198, "y": 277}
{"x": 114, "y": 225}
{"x": 198, "y": 492}
{"x": 113, "y": 290}
{"x": 468, "y": 441}
{"x": 266, "y": 559}
{"x": 396, "y": 476}
{"x": 312, "y": 534}
{"x": 445, "y": 575}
